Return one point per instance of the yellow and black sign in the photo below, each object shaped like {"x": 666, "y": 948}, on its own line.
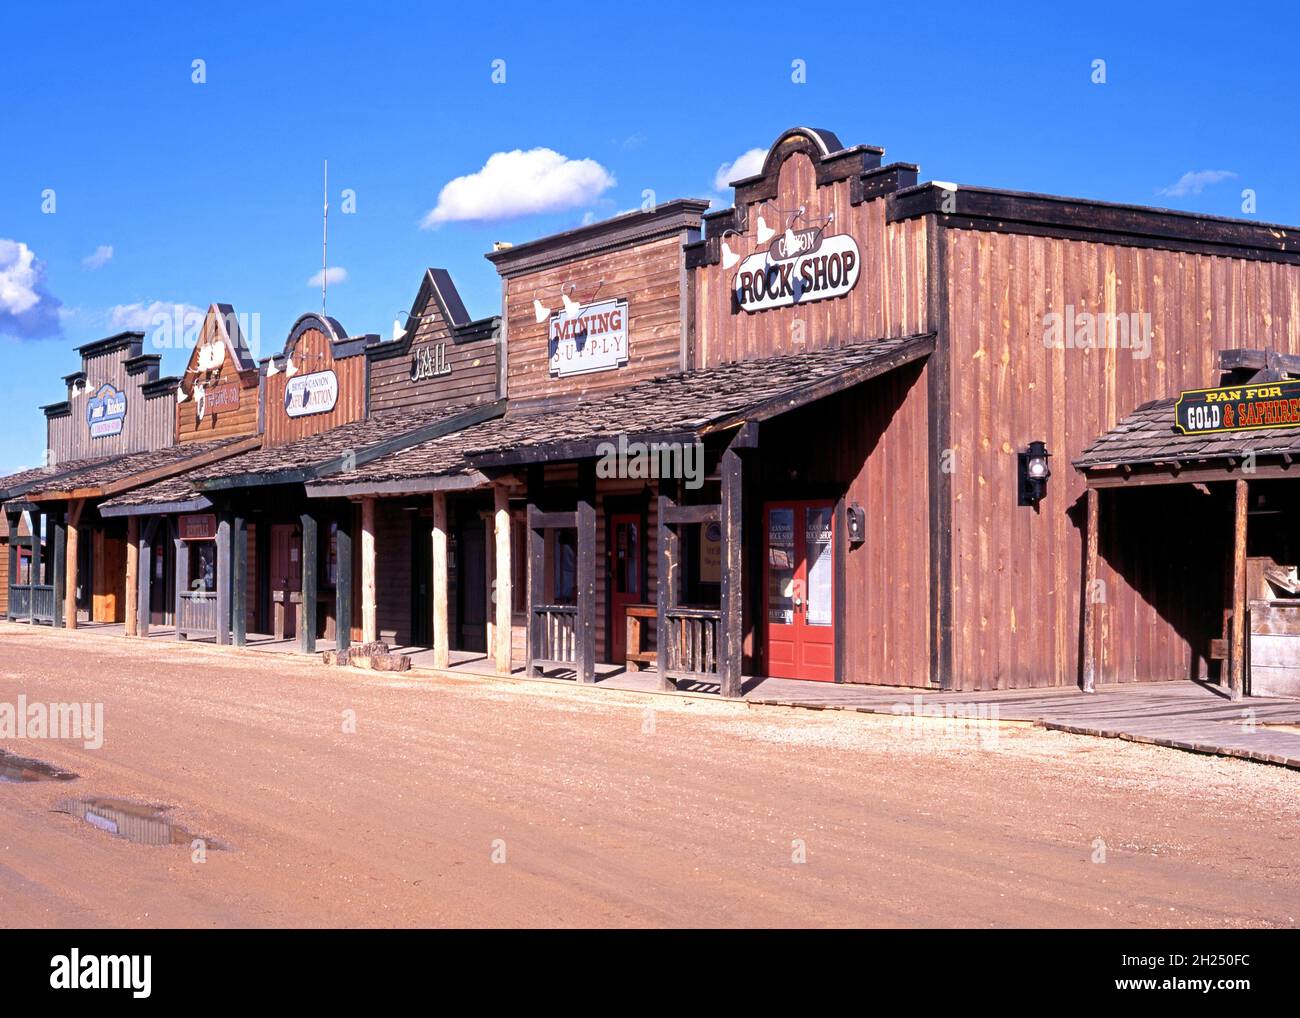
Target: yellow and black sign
{"x": 1238, "y": 408}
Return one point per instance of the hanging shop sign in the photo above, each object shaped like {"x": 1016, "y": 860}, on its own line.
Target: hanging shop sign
{"x": 797, "y": 269}
{"x": 1238, "y": 408}
{"x": 429, "y": 362}
{"x": 315, "y": 393}
{"x": 215, "y": 400}
{"x": 106, "y": 411}
{"x": 594, "y": 340}
{"x": 198, "y": 527}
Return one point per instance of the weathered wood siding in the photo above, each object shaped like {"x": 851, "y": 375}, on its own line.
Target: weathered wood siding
{"x": 889, "y": 298}
{"x": 314, "y": 351}
{"x": 1016, "y": 572}
{"x": 227, "y": 378}
{"x": 648, "y": 276}
{"x": 471, "y": 364}
{"x": 150, "y": 421}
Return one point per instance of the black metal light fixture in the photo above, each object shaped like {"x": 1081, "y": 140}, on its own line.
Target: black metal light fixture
{"x": 1034, "y": 472}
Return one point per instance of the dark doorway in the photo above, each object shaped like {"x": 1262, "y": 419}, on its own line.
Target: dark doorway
{"x": 421, "y": 583}
{"x": 471, "y": 587}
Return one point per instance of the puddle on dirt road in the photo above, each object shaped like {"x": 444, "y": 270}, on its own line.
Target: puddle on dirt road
{"x": 143, "y": 825}
{"x": 21, "y": 768}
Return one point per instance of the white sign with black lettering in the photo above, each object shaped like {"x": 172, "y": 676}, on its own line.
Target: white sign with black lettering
{"x": 594, "y": 340}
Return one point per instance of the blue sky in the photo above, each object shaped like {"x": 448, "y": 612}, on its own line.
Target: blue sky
{"x": 212, "y": 192}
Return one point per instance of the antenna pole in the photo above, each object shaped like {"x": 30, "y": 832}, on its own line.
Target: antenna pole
{"x": 325, "y": 242}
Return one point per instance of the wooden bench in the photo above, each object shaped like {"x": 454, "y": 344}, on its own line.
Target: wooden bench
{"x": 637, "y": 656}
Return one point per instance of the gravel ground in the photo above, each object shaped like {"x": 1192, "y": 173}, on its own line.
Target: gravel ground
{"x": 479, "y": 802}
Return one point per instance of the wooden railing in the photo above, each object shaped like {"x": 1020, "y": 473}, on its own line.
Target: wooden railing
{"x": 198, "y": 613}
{"x": 32, "y": 601}
{"x": 692, "y": 642}
{"x": 555, "y": 634}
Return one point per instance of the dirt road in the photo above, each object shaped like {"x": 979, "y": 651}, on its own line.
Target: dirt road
{"x": 468, "y": 801}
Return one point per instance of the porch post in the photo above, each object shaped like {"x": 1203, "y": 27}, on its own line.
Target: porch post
{"x": 182, "y": 579}
{"x": 441, "y": 649}
{"x": 343, "y": 581}
{"x": 369, "y": 623}
{"x": 586, "y": 520}
{"x": 310, "y": 552}
{"x": 71, "y": 563}
{"x": 13, "y": 520}
{"x": 38, "y": 560}
{"x": 59, "y": 547}
{"x": 666, "y": 582}
{"x": 504, "y": 591}
{"x": 732, "y": 624}
{"x": 1237, "y": 669}
{"x": 144, "y": 606}
{"x": 239, "y": 581}
{"x": 132, "y": 574}
{"x": 223, "y": 579}
{"x": 1088, "y": 657}
{"x": 536, "y": 585}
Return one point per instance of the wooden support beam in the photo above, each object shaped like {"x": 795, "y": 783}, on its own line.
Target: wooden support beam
{"x": 369, "y": 617}
{"x": 666, "y": 544}
{"x": 536, "y": 583}
{"x": 239, "y": 581}
{"x": 223, "y": 579}
{"x": 132, "y": 575}
{"x": 1237, "y": 663}
{"x": 1088, "y": 652}
{"x": 144, "y": 593}
{"x": 504, "y": 594}
{"x": 310, "y": 558}
{"x": 71, "y": 561}
{"x": 13, "y": 519}
{"x": 441, "y": 647}
{"x": 182, "y": 577}
{"x": 58, "y": 542}
{"x": 343, "y": 581}
{"x": 731, "y": 637}
{"x": 586, "y": 521}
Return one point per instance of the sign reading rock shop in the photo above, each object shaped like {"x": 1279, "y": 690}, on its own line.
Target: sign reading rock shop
{"x": 316, "y": 393}
{"x": 816, "y": 268}
{"x": 1238, "y": 408}
{"x": 106, "y": 411}
{"x": 594, "y": 340}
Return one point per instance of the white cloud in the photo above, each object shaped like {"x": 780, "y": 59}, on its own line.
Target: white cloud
{"x": 167, "y": 325}
{"x": 1195, "y": 181}
{"x": 520, "y": 183}
{"x": 27, "y": 309}
{"x": 743, "y": 166}
{"x": 334, "y": 274}
{"x": 101, "y": 257}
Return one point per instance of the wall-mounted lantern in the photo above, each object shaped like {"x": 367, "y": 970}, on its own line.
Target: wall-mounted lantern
{"x": 1034, "y": 473}
{"x": 856, "y": 523}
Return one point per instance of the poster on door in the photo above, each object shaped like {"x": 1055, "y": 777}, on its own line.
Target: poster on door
{"x": 711, "y": 553}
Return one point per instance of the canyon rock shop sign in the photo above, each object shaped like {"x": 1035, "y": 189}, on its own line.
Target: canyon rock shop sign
{"x": 819, "y": 267}
{"x": 593, "y": 340}
{"x": 1238, "y": 408}
{"x": 106, "y": 411}
{"x": 315, "y": 393}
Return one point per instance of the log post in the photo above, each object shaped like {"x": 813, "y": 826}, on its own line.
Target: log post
{"x": 223, "y": 579}
{"x": 71, "y": 561}
{"x": 731, "y": 637}
{"x": 144, "y": 607}
{"x": 12, "y": 580}
{"x": 586, "y": 520}
{"x": 182, "y": 578}
{"x": 503, "y": 591}
{"x": 343, "y": 581}
{"x": 666, "y": 584}
{"x": 310, "y": 558}
{"x": 1237, "y": 663}
{"x": 1088, "y": 655}
{"x": 132, "y": 575}
{"x": 441, "y": 647}
{"x": 369, "y": 617}
{"x": 239, "y": 581}
{"x": 59, "y": 543}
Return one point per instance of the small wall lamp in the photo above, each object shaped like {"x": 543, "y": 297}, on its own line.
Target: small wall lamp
{"x": 1034, "y": 472}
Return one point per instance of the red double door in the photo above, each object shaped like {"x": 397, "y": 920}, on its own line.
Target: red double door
{"x": 799, "y": 585}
